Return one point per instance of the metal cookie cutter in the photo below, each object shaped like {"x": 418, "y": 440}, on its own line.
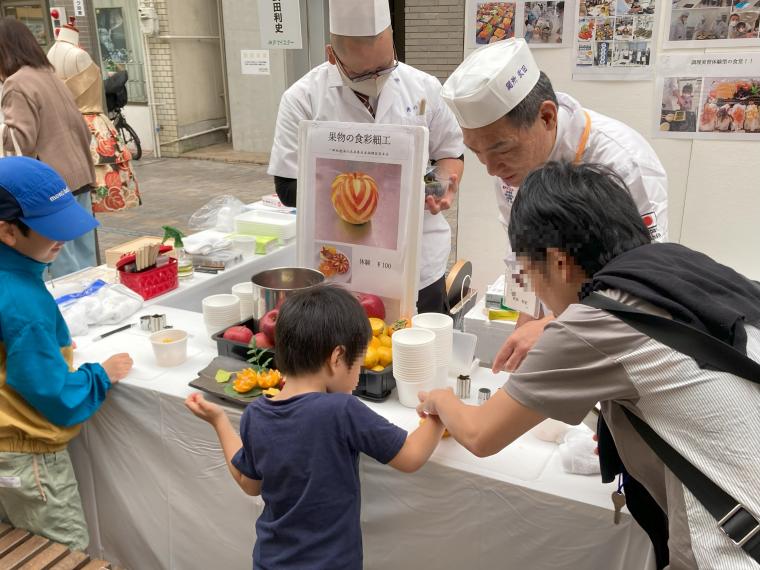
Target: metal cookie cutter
{"x": 484, "y": 394}
{"x": 145, "y": 323}
{"x": 463, "y": 387}
{"x": 157, "y": 323}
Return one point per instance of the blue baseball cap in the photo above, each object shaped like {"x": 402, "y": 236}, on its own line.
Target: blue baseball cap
{"x": 34, "y": 193}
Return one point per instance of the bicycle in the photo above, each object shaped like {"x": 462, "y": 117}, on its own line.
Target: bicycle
{"x": 116, "y": 99}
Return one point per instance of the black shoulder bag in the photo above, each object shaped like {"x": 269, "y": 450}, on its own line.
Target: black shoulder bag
{"x": 733, "y": 518}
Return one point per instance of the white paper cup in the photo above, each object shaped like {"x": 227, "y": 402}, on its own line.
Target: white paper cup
{"x": 169, "y": 346}
{"x": 407, "y": 391}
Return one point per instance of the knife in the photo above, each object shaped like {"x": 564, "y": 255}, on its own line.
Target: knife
{"x": 109, "y": 333}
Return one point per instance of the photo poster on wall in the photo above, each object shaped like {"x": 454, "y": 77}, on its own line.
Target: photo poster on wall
{"x": 543, "y": 24}
{"x": 614, "y": 39}
{"x": 708, "y": 96}
{"x": 360, "y": 207}
{"x": 713, "y": 23}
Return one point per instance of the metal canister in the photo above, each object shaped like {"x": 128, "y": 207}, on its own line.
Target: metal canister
{"x": 271, "y": 287}
{"x": 463, "y": 387}
{"x": 484, "y": 394}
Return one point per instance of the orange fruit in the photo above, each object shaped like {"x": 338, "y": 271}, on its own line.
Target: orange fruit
{"x": 371, "y": 358}
{"x": 384, "y": 355}
{"x": 378, "y": 326}
{"x": 384, "y": 340}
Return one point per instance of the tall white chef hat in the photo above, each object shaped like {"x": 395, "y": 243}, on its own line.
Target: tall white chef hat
{"x": 359, "y": 17}
{"x": 491, "y": 82}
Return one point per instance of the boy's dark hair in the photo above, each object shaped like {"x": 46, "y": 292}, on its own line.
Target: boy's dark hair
{"x": 313, "y": 322}
{"x": 526, "y": 111}
{"x": 585, "y": 210}
{"x": 22, "y": 227}
{"x": 687, "y": 88}
{"x": 18, "y": 48}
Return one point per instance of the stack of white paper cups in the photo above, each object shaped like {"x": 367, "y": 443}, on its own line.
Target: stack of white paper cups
{"x": 413, "y": 363}
{"x": 443, "y": 328}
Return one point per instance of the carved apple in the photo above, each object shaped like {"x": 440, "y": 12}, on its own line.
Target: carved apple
{"x": 354, "y": 197}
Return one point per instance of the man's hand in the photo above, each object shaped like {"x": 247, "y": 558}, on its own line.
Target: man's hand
{"x": 203, "y": 409}
{"x": 514, "y": 351}
{"x": 427, "y": 405}
{"x": 117, "y": 367}
{"x": 437, "y": 205}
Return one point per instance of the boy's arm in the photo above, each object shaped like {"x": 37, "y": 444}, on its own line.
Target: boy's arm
{"x": 37, "y": 370}
{"x": 483, "y": 430}
{"x": 231, "y": 443}
{"x": 419, "y": 446}
{"x": 228, "y": 438}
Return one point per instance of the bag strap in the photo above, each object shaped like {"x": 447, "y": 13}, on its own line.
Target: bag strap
{"x": 16, "y": 147}
{"x": 733, "y": 518}
{"x": 682, "y": 338}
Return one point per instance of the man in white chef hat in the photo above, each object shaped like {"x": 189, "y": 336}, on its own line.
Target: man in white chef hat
{"x": 514, "y": 122}
{"x": 363, "y": 82}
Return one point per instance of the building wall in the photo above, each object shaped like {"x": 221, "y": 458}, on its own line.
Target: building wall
{"x": 434, "y": 35}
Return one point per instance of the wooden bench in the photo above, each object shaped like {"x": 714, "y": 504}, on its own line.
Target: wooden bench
{"x": 22, "y": 550}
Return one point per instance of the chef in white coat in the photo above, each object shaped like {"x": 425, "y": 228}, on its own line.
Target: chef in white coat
{"x": 363, "y": 82}
{"x": 514, "y": 122}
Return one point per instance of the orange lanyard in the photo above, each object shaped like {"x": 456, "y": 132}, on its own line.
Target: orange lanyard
{"x": 584, "y": 139}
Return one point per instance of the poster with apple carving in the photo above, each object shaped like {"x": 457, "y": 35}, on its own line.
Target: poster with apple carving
{"x": 360, "y": 207}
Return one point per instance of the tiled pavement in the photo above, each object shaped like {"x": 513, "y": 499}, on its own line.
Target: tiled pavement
{"x": 173, "y": 188}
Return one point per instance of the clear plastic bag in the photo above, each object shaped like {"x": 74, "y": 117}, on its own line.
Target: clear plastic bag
{"x": 98, "y": 304}
{"x": 218, "y": 214}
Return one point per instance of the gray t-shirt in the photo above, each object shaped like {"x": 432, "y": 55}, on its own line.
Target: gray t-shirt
{"x": 712, "y": 418}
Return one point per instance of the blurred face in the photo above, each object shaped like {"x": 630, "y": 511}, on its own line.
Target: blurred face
{"x": 510, "y": 152}
{"x": 344, "y": 377}
{"x": 556, "y": 281}
{"x": 359, "y": 57}
{"x": 34, "y": 245}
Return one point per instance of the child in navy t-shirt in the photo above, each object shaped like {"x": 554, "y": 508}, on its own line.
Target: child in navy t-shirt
{"x": 300, "y": 450}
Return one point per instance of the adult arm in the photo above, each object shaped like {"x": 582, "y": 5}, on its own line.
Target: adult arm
{"x": 22, "y": 119}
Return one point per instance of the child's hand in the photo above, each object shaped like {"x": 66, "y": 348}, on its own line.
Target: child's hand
{"x": 206, "y": 411}
{"x": 117, "y": 367}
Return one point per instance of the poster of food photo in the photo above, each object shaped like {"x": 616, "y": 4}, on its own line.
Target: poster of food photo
{"x": 614, "y": 39}
{"x": 713, "y": 23}
{"x": 361, "y": 207}
{"x": 720, "y": 99}
{"x": 543, "y": 24}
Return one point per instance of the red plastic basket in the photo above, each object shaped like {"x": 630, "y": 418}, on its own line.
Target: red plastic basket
{"x": 151, "y": 282}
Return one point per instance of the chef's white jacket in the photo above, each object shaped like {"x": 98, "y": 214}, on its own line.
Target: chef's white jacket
{"x": 321, "y": 95}
{"x": 614, "y": 145}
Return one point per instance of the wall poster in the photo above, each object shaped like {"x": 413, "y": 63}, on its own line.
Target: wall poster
{"x": 708, "y": 96}
{"x": 713, "y": 23}
{"x": 614, "y": 39}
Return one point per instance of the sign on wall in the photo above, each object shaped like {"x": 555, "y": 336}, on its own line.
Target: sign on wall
{"x": 614, "y": 39}
{"x": 254, "y": 62}
{"x": 543, "y": 24}
{"x": 280, "y": 22}
{"x": 709, "y": 96}
{"x": 713, "y": 23}
{"x": 79, "y": 9}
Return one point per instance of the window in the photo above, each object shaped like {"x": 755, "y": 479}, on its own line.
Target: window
{"x": 35, "y": 16}
{"x": 120, "y": 42}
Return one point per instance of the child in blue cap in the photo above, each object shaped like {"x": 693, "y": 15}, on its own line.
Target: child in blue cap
{"x": 43, "y": 399}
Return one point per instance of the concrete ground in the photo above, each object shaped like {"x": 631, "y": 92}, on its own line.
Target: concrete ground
{"x": 174, "y": 188}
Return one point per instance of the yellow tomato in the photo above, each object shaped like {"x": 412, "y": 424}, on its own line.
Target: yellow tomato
{"x": 378, "y": 326}
{"x": 375, "y": 342}
{"x": 378, "y": 368}
{"x": 384, "y": 355}
{"x": 384, "y": 340}
{"x": 371, "y": 358}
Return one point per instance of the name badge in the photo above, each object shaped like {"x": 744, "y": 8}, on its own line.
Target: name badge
{"x": 10, "y": 482}
{"x": 517, "y": 294}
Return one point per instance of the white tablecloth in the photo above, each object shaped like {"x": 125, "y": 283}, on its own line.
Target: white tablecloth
{"x": 157, "y": 493}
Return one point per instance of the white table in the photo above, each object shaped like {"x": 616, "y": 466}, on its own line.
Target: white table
{"x": 157, "y": 493}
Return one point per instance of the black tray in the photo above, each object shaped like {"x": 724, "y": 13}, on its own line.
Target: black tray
{"x": 240, "y": 350}
{"x": 206, "y": 381}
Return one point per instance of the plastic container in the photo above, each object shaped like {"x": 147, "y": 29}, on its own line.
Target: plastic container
{"x": 274, "y": 224}
{"x": 375, "y": 386}
{"x": 239, "y": 350}
{"x": 170, "y": 347}
{"x": 151, "y": 282}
